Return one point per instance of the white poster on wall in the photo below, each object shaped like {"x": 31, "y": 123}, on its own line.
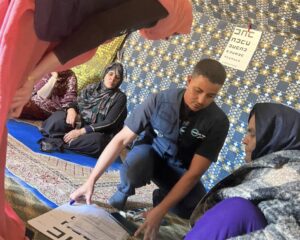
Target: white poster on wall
{"x": 240, "y": 48}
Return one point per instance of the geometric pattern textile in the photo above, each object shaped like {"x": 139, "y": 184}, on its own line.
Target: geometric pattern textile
{"x": 56, "y": 178}
{"x": 92, "y": 70}
{"x": 281, "y": 17}
{"x": 273, "y": 75}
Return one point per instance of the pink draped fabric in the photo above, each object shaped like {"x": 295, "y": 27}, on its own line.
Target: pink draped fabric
{"x": 3, "y": 9}
{"x": 178, "y": 21}
{"x": 20, "y": 51}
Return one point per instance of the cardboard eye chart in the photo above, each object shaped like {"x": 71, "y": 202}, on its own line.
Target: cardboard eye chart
{"x": 240, "y": 48}
{"x": 78, "y": 222}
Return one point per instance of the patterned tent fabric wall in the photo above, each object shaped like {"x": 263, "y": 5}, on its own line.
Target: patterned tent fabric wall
{"x": 92, "y": 70}
{"x": 278, "y": 16}
{"x": 273, "y": 75}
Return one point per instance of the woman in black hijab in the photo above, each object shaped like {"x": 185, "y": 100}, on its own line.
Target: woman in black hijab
{"x": 87, "y": 125}
{"x": 261, "y": 199}
{"x": 277, "y": 128}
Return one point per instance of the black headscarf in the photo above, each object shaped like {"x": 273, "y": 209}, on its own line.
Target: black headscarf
{"x": 96, "y": 99}
{"x": 277, "y": 128}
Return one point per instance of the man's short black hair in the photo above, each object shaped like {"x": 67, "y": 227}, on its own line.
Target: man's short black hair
{"x": 212, "y": 69}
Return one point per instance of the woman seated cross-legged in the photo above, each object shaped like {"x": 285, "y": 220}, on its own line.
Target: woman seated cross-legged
{"x": 261, "y": 199}
{"x": 88, "y": 124}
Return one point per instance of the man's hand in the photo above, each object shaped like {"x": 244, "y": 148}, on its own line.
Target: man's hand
{"x": 151, "y": 225}
{"x": 71, "y": 117}
{"x": 74, "y": 134}
{"x": 85, "y": 191}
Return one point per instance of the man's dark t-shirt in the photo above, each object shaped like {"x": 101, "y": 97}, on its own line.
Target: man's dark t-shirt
{"x": 176, "y": 135}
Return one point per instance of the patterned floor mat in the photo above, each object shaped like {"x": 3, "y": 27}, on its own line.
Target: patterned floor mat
{"x": 55, "y": 179}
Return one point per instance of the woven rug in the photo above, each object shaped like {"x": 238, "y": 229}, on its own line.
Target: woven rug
{"x": 55, "y": 178}
{"x": 36, "y": 182}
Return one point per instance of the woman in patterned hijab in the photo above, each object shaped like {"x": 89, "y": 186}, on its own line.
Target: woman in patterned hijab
{"x": 88, "y": 124}
{"x": 96, "y": 99}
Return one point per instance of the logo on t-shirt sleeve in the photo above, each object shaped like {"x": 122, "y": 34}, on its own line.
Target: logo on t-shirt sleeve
{"x": 195, "y": 133}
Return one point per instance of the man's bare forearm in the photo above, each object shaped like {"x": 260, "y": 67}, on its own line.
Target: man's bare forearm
{"x": 111, "y": 152}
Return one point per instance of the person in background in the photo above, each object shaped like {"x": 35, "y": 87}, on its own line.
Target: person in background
{"x": 181, "y": 133}
{"x": 261, "y": 199}
{"x": 100, "y": 110}
{"x": 53, "y": 92}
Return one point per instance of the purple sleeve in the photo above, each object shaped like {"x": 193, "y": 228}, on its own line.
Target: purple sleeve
{"x": 71, "y": 91}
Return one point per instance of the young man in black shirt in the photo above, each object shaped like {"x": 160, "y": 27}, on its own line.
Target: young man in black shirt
{"x": 181, "y": 133}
